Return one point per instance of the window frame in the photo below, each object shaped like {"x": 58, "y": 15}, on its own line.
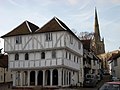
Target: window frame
{"x": 42, "y": 55}
{"x": 16, "y": 56}
{"x": 53, "y": 54}
{"x": 18, "y": 40}
{"x": 26, "y": 56}
{"x": 71, "y": 39}
{"x": 79, "y": 45}
{"x": 69, "y": 56}
{"x": 48, "y": 36}
{"x": 66, "y": 55}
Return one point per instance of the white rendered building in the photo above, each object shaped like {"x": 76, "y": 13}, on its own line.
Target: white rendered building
{"x": 46, "y": 56}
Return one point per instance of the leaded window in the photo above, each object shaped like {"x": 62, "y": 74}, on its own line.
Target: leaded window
{"x": 16, "y": 56}
{"x": 43, "y": 55}
{"x": 18, "y": 39}
{"x": 26, "y": 56}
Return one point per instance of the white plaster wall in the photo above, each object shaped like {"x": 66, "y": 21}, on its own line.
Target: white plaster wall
{"x": 117, "y": 68}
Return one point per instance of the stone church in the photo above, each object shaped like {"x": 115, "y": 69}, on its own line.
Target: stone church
{"x": 98, "y": 45}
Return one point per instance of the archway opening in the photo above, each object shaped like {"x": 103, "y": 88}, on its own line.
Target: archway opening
{"x": 47, "y": 77}
{"x": 69, "y": 78}
{"x": 32, "y": 78}
{"x": 40, "y": 78}
{"x": 55, "y": 77}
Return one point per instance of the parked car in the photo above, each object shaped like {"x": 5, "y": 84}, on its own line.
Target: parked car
{"x": 90, "y": 80}
{"x": 110, "y": 86}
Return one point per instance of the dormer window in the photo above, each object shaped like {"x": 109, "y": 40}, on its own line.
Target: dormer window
{"x": 18, "y": 39}
{"x": 48, "y": 36}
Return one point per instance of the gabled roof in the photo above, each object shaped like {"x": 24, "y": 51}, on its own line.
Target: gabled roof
{"x": 28, "y": 28}
{"x": 25, "y": 28}
{"x": 53, "y": 25}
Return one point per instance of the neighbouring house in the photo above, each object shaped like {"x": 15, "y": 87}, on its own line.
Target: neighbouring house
{"x": 114, "y": 62}
{"x": 91, "y": 63}
{"x": 48, "y": 56}
{"x": 5, "y": 73}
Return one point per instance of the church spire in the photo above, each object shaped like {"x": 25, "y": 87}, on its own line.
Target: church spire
{"x": 96, "y": 27}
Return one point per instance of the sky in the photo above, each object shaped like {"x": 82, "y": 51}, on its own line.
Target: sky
{"x": 78, "y": 15}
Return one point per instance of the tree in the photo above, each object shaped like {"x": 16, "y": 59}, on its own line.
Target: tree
{"x": 85, "y": 35}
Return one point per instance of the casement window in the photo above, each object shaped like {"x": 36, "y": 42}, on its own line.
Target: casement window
{"x": 74, "y": 58}
{"x": 16, "y": 56}
{"x": 66, "y": 55}
{"x": 18, "y": 39}
{"x": 77, "y": 59}
{"x": 43, "y": 55}
{"x": 71, "y": 39}
{"x": 79, "y": 45}
{"x": 26, "y": 56}
{"x": 69, "y": 56}
{"x": 53, "y": 54}
{"x": 48, "y": 36}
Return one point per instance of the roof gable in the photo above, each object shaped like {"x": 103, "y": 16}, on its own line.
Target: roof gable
{"x": 53, "y": 25}
{"x": 25, "y": 28}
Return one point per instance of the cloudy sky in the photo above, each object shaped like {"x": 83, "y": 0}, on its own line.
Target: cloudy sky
{"x": 76, "y": 14}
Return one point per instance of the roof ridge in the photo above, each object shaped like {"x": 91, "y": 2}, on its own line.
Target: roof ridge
{"x": 28, "y": 26}
{"x": 59, "y": 23}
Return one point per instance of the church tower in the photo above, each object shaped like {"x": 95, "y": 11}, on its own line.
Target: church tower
{"x": 96, "y": 28}
{"x": 97, "y": 44}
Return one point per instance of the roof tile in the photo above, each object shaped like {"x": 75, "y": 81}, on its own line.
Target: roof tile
{"x": 25, "y": 28}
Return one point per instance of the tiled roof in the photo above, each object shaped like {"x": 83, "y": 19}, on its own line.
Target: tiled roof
{"x": 28, "y": 28}
{"x": 110, "y": 55}
{"x": 114, "y": 55}
{"x": 53, "y": 25}
{"x": 25, "y": 28}
{"x": 3, "y": 60}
